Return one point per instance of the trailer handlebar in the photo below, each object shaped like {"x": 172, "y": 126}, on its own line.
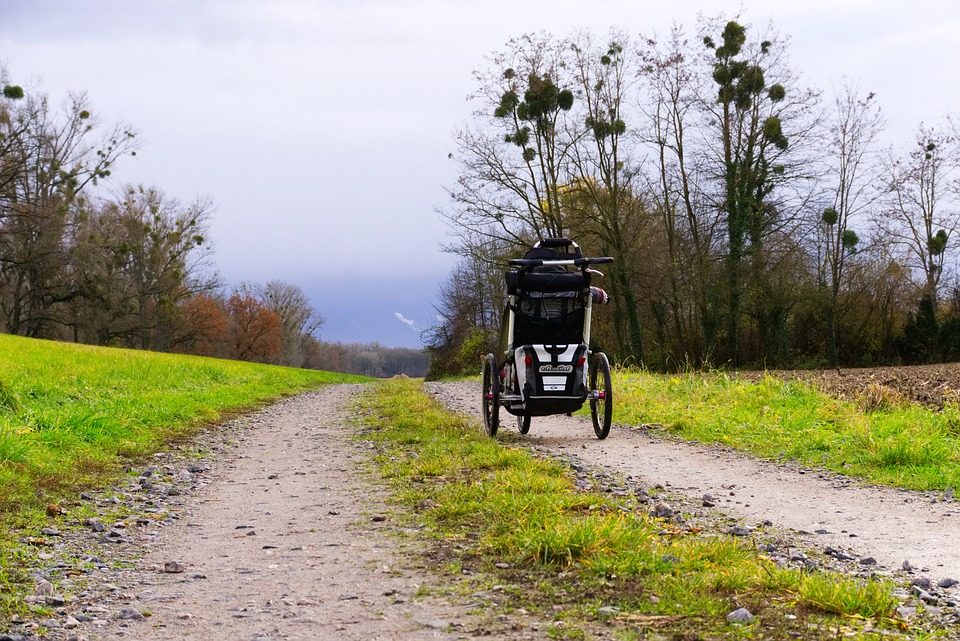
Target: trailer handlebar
{"x": 546, "y": 262}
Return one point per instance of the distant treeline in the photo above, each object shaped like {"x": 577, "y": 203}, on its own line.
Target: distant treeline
{"x": 370, "y": 359}
{"x": 131, "y": 266}
{"x": 754, "y": 221}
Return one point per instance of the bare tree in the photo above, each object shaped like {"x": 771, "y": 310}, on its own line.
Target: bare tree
{"x": 136, "y": 259}
{"x": 606, "y": 208}
{"x": 921, "y": 207}
{"x": 512, "y": 162}
{"x": 56, "y": 161}
{"x": 469, "y": 311}
{"x": 677, "y": 181}
{"x": 854, "y": 125}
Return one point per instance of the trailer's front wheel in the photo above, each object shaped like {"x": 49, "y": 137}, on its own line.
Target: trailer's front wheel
{"x": 491, "y": 396}
{"x": 601, "y": 395}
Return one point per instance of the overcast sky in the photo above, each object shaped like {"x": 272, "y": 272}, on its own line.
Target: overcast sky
{"x": 321, "y": 128}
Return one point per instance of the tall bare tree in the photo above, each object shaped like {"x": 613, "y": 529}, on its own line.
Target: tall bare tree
{"x": 606, "y": 207}
{"x": 512, "y": 162}
{"x": 756, "y": 113}
{"x": 854, "y": 126}
{"x": 677, "y": 181}
{"x": 136, "y": 259}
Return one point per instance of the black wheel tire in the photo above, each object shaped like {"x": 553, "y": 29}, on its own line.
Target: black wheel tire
{"x": 491, "y": 396}
{"x": 523, "y": 423}
{"x": 601, "y": 401}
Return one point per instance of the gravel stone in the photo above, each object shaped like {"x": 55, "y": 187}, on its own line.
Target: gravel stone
{"x": 130, "y": 614}
{"x": 43, "y": 588}
{"x": 663, "y": 511}
{"x": 923, "y": 595}
{"x": 172, "y": 567}
{"x": 840, "y": 555}
{"x": 740, "y": 616}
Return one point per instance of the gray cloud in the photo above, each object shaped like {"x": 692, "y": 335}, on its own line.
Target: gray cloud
{"x": 321, "y": 128}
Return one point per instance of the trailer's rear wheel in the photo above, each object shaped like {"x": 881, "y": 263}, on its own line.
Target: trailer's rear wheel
{"x": 601, "y": 395}
{"x": 491, "y": 396}
{"x": 523, "y": 423}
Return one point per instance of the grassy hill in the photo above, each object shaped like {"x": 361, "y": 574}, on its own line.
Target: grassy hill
{"x": 71, "y": 414}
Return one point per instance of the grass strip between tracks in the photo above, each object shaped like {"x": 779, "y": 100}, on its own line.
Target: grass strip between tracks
{"x": 877, "y": 437}
{"x": 72, "y": 415}
{"x": 495, "y": 507}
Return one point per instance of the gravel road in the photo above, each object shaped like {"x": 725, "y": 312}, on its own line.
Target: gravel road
{"x": 285, "y": 537}
{"x": 888, "y": 525}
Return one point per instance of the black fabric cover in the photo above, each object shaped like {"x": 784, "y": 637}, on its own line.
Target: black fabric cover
{"x": 550, "y": 321}
{"x": 550, "y": 254}
{"x": 546, "y": 282}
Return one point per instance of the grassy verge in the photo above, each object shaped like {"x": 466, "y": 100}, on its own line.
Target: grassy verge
{"x": 571, "y": 553}
{"x": 878, "y": 439}
{"x": 71, "y": 413}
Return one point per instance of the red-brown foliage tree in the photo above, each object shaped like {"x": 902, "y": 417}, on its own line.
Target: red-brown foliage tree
{"x": 256, "y": 333}
{"x": 205, "y": 328}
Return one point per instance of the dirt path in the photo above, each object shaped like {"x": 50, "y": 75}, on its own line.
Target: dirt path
{"x": 888, "y": 525}
{"x": 288, "y": 540}
{"x": 280, "y": 534}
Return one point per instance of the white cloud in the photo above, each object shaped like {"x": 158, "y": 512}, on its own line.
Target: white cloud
{"x": 406, "y": 321}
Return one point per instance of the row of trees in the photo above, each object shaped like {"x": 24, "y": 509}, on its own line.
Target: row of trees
{"x": 754, "y": 221}
{"x": 370, "y": 359}
{"x": 132, "y": 267}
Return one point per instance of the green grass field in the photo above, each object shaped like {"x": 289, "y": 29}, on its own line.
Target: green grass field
{"x": 895, "y": 443}
{"x": 71, "y": 414}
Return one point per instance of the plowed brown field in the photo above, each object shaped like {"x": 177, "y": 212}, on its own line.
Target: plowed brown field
{"x": 929, "y": 385}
